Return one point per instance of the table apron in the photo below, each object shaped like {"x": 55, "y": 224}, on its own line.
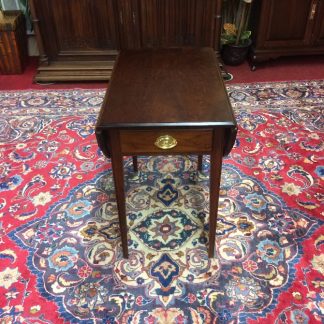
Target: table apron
{"x": 135, "y": 142}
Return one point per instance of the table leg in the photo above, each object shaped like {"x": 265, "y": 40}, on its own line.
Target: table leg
{"x": 135, "y": 164}
{"x": 200, "y": 160}
{"x": 118, "y": 173}
{"x": 215, "y": 176}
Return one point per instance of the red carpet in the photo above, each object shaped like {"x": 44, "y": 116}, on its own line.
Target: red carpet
{"x": 60, "y": 257}
{"x": 281, "y": 69}
{"x": 60, "y": 251}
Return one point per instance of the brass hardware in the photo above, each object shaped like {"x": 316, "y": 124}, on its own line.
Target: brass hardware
{"x": 313, "y": 11}
{"x": 165, "y": 142}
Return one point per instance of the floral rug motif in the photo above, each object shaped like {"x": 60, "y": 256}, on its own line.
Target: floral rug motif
{"x": 60, "y": 248}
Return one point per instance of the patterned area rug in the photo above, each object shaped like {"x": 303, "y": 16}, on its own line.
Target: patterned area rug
{"x": 60, "y": 248}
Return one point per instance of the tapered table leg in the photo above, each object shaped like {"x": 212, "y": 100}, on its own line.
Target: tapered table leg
{"x": 200, "y": 160}
{"x": 215, "y": 176}
{"x": 135, "y": 168}
{"x": 118, "y": 173}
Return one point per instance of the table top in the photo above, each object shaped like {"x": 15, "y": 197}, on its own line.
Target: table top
{"x": 166, "y": 87}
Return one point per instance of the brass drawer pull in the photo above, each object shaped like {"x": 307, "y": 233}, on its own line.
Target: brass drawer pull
{"x": 165, "y": 142}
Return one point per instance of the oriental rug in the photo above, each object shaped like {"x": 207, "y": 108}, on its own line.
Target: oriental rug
{"x": 60, "y": 248}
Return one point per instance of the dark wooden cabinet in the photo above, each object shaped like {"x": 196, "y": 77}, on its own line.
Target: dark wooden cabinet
{"x": 128, "y": 23}
{"x": 79, "y": 39}
{"x": 319, "y": 26}
{"x": 172, "y": 23}
{"x": 286, "y": 27}
{"x": 13, "y": 42}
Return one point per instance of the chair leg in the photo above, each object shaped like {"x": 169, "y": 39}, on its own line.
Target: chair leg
{"x": 135, "y": 164}
{"x": 200, "y": 159}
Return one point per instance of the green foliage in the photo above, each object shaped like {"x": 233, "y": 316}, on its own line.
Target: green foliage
{"x": 236, "y": 14}
{"x": 231, "y": 37}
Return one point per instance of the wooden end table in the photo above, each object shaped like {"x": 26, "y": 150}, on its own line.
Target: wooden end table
{"x": 163, "y": 102}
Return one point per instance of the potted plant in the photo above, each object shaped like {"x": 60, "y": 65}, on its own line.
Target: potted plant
{"x": 235, "y": 37}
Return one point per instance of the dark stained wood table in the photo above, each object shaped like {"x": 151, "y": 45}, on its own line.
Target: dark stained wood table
{"x": 163, "y": 102}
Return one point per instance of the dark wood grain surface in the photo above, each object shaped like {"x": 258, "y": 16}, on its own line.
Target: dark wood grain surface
{"x": 189, "y": 140}
{"x": 75, "y": 31}
{"x": 165, "y": 87}
{"x": 285, "y": 28}
{"x": 13, "y": 43}
{"x": 166, "y": 101}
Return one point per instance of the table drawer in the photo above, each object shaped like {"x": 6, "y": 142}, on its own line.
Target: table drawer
{"x": 165, "y": 141}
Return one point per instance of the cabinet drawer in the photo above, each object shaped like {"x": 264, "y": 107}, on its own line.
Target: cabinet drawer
{"x": 165, "y": 141}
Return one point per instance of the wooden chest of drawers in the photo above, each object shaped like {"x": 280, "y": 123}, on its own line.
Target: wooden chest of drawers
{"x": 13, "y": 42}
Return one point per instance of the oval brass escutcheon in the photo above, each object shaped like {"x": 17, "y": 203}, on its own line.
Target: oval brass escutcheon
{"x": 165, "y": 142}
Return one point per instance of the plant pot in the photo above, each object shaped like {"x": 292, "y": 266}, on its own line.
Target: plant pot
{"x": 235, "y": 54}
